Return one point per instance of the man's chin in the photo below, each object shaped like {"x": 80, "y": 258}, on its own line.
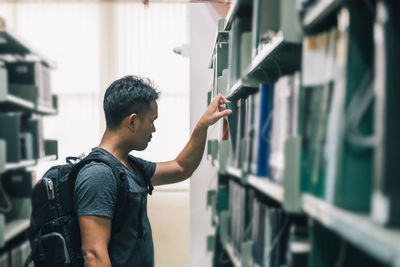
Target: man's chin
{"x": 143, "y": 147}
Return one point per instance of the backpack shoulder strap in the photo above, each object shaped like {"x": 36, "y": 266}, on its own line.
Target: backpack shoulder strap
{"x": 139, "y": 168}
{"x": 120, "y": 179}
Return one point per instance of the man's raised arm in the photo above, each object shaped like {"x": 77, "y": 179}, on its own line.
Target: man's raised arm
{"x": 189, "y": 159}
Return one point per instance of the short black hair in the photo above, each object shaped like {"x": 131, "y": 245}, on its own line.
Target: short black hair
{"x": 130, "y": 94}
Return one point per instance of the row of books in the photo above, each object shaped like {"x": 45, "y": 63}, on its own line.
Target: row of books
{"x": 239, "y": 49}
{"x": 17, "y": 256}
{"x": 277, "y": 239}
{"x": 24, "y": 137}
{"x": 239, "y": 215}
{"x": 251, "y": 31}
{"x": 349, "y": 131}
{"x": 269, "y": 234}
{"x": 265, "y": 24}
{"x": 260, "y": 125}
{"x": 28, "y": 80}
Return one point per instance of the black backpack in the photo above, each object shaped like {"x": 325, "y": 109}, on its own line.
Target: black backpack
{"x": 54, "y": 233}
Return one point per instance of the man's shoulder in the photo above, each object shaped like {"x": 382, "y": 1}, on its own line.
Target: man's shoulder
{"x": 94, "y": 172}
{"x": 147, "y": 167}
{"x": 95, "y": 167}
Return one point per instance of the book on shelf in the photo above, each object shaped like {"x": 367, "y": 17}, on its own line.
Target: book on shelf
{"x": 263, "y": 110}
{"x": 238, "y": 27}
{"x": 317, "y": 86}
{"x": 34, "y": 125}
{"x": 245, "y": 52}
{"x": 222, "y": 52}
{"x": 280, "y": 125}
{"x": 249, "y": 134}
{"x": 270, "y": 234}
{"x": 30, "y": 80}
{"x": 266, "y": 23}
{"x": 240, "y": 137}
{"x": 232, "y": 129}
{"x": 11, "y": 134}
{"x": 222, "y": 83}
{"x": 349, "y": 150}
{"x": 240, "y": 216}
{"x": 18, "y": 183}
{"x": 386, "y": 198}
{"x": 317, "y": 105}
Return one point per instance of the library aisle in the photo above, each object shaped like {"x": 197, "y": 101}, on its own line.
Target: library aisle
{"x": 306, "y": 164}
{"x": 303, "y": 173}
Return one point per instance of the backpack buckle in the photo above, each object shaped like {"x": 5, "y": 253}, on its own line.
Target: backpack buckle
{"x": 150, "y": 188}
{"x": 73, "y": 160}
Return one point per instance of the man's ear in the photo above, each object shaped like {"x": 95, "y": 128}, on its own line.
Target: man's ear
{"x": 132, "y": 121}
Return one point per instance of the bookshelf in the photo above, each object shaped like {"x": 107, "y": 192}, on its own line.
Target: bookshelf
{"x": 267, "y": 187}
{"x": 275, "y": 59}
{"x": 262, "y": 184}
{"x": 357, "y": 228}
{"x": 306, "y": 159}
{"x": 25, "y": 97}
{"x": 15, "y": 228}
{"x": 241, "y": 88}
{"x": 18, "y": 165}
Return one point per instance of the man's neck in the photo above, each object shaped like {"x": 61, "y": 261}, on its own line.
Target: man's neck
{"x": 113, "y": 144}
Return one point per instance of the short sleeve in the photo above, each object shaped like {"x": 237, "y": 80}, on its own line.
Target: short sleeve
{"x": 95, "y": 190}
{"x": 147, "y": 167}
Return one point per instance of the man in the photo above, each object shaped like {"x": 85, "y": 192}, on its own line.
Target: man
{"x": 130, "y": 109}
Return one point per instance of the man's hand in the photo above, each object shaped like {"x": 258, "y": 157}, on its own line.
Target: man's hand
{"x": 214, "y": 112}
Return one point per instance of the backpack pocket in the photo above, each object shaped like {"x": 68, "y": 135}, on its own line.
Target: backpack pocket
{"x": 137, "y": 208}
{"x": 51, "y": 250}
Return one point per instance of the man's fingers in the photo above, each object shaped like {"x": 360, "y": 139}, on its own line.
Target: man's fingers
{"x": 220, "y": 99}
{"x": 224, "y": 113}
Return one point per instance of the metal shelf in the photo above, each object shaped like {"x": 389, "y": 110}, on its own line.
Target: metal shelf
{"x": 358, "y": 229}
{"x": 21, "y": 164}
{"x": 276, "y": 58}
{"x": 242, "y": 88}
{"x": 14, "y": 103}
{"x": 42, "y": 110}
{"x": 266, "y": 186}
{"x": 12, "y": 44}
{"x": 28, "y": 163}
{"x": 235, "y": 172}
{"x": 47, "y": 158}
{"x": 262, "y": 184}
{"x": 231, "y": 14}
{"x": 319, "y": 12}
{"x": 14, "y": 228}
{"x": 238, "y": 8}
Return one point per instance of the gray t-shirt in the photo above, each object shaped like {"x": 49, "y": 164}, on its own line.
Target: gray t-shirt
{"x": 96, "y": 194}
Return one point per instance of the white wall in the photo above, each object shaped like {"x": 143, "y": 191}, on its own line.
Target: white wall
{"x": 203, "y": 26}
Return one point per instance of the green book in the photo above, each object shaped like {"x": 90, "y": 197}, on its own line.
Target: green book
{"x": 350, "y": 167}
{"x": 386, "y": 196}
{"x": 11, "y": 134}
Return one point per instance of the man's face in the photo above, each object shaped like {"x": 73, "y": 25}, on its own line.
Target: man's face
{"x": 145, "y": 126}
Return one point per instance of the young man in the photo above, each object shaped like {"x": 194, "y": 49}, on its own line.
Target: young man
{"x": 130, "y": 109}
